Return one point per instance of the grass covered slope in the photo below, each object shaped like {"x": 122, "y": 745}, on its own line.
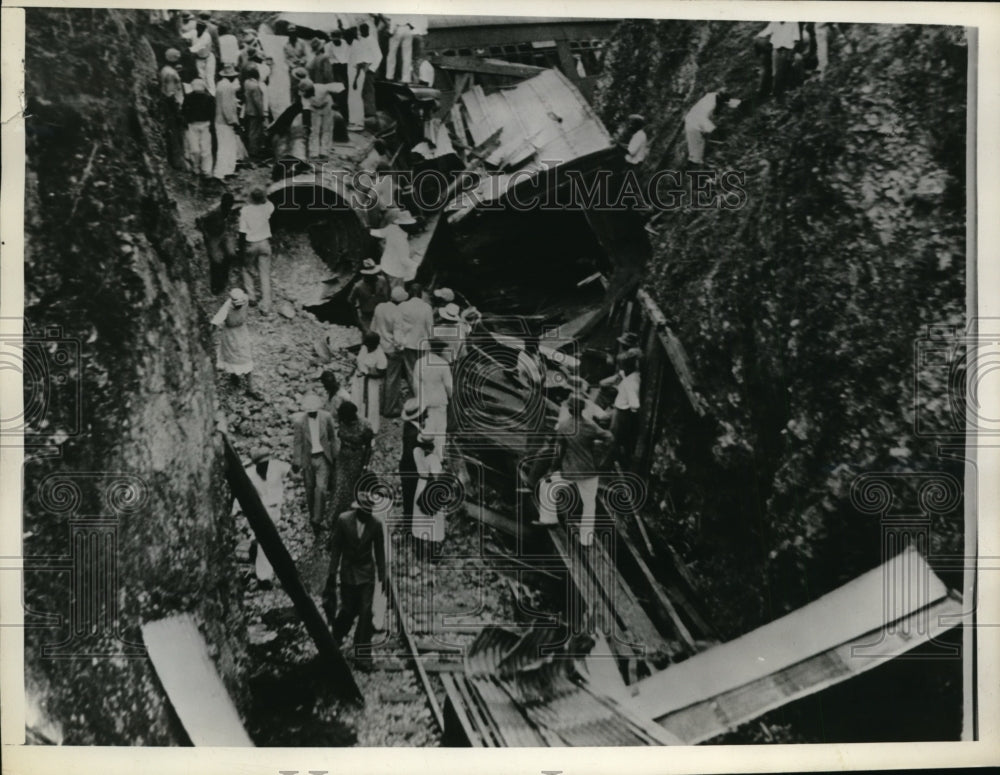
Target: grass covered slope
{"x": 802, "y": 311}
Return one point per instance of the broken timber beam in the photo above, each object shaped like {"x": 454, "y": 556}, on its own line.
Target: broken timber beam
{"x": 284, "y": 567}
{"x": 674, "y": 349}
{"x": 468, "y": 64}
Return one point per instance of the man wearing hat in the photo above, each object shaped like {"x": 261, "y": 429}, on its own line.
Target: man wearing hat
{"x": 267, "y": 477}
{"x": 580, "y": 440}
{"x": 441, "y": 296}
{"x": 387, "y": 323}
{"x": 450, "y": 330}
{"x": 370, "y": 290}
{"x": 395, "y": 262}
{"x": 227, "y": 122}
{"x": 254, "y": 111}
{"x": 296, "y": 57}
{"x": 198, "y": 112}
{"x": 314, "y": 452}
{"x": 203, "y": 47}
{"x": 229, "y": 47}
{"x": 358, "y": 557}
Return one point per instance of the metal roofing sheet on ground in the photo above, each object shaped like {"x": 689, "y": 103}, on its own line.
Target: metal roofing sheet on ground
{"x": 867, "y": 604}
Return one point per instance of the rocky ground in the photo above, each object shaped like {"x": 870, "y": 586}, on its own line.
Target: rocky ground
{"x": 445, "y": 603}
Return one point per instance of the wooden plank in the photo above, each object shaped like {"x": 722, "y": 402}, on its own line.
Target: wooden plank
{"x": 659, "y": 594}
{"x": 714, "y": 716}
{"x": 180, "y": 657}
{"x": 284, "y": 568}
{"x": 458, "y": 705}
{"x": 486, "y": 66}
{"x": 415, "y": 657}
{"x": 492, "y": 518}
{"x": 889, "y": 592}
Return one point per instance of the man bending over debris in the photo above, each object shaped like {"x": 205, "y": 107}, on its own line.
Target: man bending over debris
{"x": 358, "y": 552}
{"x": 699, "y": 122}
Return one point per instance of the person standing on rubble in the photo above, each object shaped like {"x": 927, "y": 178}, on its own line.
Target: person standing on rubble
{"x": 369, "y": 373}
{"x": 408, "y": 473}
{"x": 370, "y": 290}
{"x": 315, "y": 446}
{"x": 203, "y": 48}
{"x": 296, "y": 57}
{"x": 218, "y": 230}
{"x": 434, "y": 388}
{"x": 355, "y": 435}
{"x": 172, "y": 98}
{"x": 254, "y": 112}
{"x": 784, "y": 38}
{"x": 358, "y": 557}
{"x": 227, "y": 121}
{"x": 415, "y": 330}
{"x": 199, "y": 112}
{"x": 267, "y": 477}
{"x": 339, "y": 53}
{"x": 625, "y": 411}
{"x": 387, "y": 323}
{"x": 234, "y": 354}
{"x": 579, "y": 441}
{"x": 395, "y": 261}
{"x": 255, "y": 241}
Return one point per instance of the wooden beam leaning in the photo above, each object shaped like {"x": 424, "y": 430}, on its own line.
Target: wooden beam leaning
{"x": 674, "y": 349}
{"x": 486, "y": 66}
{"x": 284, "y": 567}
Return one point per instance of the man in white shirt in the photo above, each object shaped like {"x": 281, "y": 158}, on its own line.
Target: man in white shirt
{"x": 387, "y": 322}
{"x": 401, "y": 30}
{"x": 255, "y": 242}
{"x": 267, "y": 477}
{"x": 434, "y": 389}
{"x": 415, "y": 330}
{"x": 625, "y": 410}
{"x": 395, "y": 262}
{"x": 784, "y": 38}
{"x": 699, "y": 122}
{"x": 638, "y": 144}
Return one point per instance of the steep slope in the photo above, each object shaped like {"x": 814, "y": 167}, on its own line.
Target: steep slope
{"x": 109, "y": 270}
{"x": 804, "y": 310}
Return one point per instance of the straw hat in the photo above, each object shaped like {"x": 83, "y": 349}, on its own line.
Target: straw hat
{"x": 444, "y": 295}
{"x": 450, "y": 312}
{"x": 259, "y": 455}
{"x": 172, "y": 55}
{"x": 239, "y": 297}
{"x": 628, "y": 339}
{"x": 368, "y": 266}
{"x": 228, "y": 71}
{"x": 311, "y": 403}
{"x": 411, "y": 409}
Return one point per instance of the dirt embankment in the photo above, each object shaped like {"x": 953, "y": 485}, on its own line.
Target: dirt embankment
{"x": 804, "y": 309}
{"x": 128, "y": 435}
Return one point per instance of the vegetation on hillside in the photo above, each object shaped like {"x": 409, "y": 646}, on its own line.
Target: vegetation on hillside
{"x": 804, "y": 312}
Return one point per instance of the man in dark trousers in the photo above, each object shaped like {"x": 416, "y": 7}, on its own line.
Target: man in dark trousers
{"x": 218, "y": 229}
{"x": 358, "y": 551}
{"x": 314, "y": 452}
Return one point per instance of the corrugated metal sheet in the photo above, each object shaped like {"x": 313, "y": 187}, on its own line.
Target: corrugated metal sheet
{"x": 529, "y": 687}
{"x": 544, "y": 118}
{"x": 895, "y": 590}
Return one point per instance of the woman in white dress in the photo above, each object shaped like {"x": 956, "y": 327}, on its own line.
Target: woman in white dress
{"x": 427, "y": 529}
{"x": 368, "y": 377}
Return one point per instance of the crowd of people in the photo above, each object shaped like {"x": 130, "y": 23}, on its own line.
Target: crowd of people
{"x": 230, "y": 98}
